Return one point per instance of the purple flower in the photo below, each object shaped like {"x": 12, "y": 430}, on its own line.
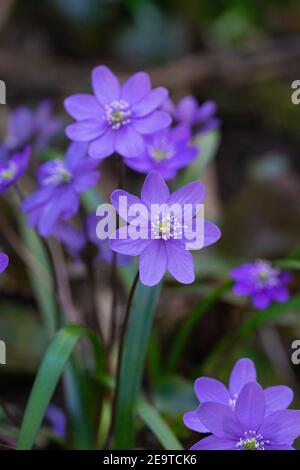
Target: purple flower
{"x": 263, "y": 283}
{"x": 105, "y": 253}
{"x": 60, "y": 182}
{"x": 58, "y": 420}
{"x": 189, "y": 112}
{"x": 118, "y": 117}
{"x": 166, "y": 151}
{"x": 161, "y": 245}
{"x": 4, "y": 260}
{"x": 32, "y": 127}
{"x": 12, "y": 166}
{"x": 211, "y": 390}
{"x": 248, "y": 427}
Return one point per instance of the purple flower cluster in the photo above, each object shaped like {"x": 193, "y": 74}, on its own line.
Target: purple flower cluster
{"x": 4, "y": 260}
{"x": 262, "y": 282}
{"x": 60, "y": 182}
{"x": 159, "y": 249}
{"x": 134, "y": 121}
{"x": 244, "y": 416}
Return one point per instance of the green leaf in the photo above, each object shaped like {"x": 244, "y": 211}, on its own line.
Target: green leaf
{"x": 50, "y": 371}
{"x": 191, "y": 320}
{"x": 132, "y": 363}
{"x": 208, "y": 145}
{"x": 158, "y": 426}
{"x": 287, "y": 263}
{"x": 41, "y": 277}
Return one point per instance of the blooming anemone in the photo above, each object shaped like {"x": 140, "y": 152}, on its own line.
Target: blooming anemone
{"x": 248, "y": 427}
{"x": 117, "y": 117}
{"x": 211, "y": 390}
{"x": 60, "y": 182}
{"x": 4, "y": 260}
{"x": 189, "y": 112}
{"x": 262, "y": 282}
{"x": 164, "y": 233}
{"x": 166, "y": 151}
{"x": 12, "y": 166}
{"x": 32, "y": 127}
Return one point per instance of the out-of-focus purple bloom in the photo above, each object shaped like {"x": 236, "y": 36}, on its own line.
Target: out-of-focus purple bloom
{"x": 58, "y": 420}
{"x": 105, "y": 253}
{"x": 12, "y": 166}
{"x": 72, "y": 239}
{"x": 117, "y": 117}
{"x": 248, "y": 427}
{"x": 208, "y": 389}
{"x": 166, "y": 151}
{"x": 161, "y": 246}
{"x": 4, "y": 260}
{"x": 189, "y": 112}
{"x": 60, "y": 182}
{"x": 32, "y": 127}
{"x": 263, "y": 283}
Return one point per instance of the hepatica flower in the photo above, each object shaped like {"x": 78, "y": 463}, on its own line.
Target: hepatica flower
{"x": 4, "y": 260}
{"x": 12, "y": 166}
{"x": 117, "y": 117}
{"x": 263, "y": 283}
{"x": 60, "y": 182}
{"x": 161, "y": 244}
{"x": 208, "y": 389}
{"x": 248, "y": 427}
{"x": 189, "y": 112}
{"x": 165, "y": 151}
{"x": 32, "y": 127}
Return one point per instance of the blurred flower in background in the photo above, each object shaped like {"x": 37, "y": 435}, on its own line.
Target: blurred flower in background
{"x": 12, "y": 166}
{"x": 118, "y": 117}
{"x": 4, "y": 260}
{"x": 105, "y": 254}
{"x": 58, "y": 421}
{"x": 32, "y": 127}
{"x": 189, "y": 112}
{"x": 263, "y": 283}
{"x": 60, "y": 182}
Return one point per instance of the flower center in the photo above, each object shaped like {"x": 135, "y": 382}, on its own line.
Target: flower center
{"x": 166, "y": 226}
{"x": 251, "y": 441}
{"x": 59, "y": 174}
{"x": 9, "y": 172}
{"x": 265, "y": 275}
{"x": 161, "y": 150}
{"x": 117, "y": 114}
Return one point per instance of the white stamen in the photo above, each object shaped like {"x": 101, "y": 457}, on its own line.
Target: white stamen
{"x": 117, "y": 114}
